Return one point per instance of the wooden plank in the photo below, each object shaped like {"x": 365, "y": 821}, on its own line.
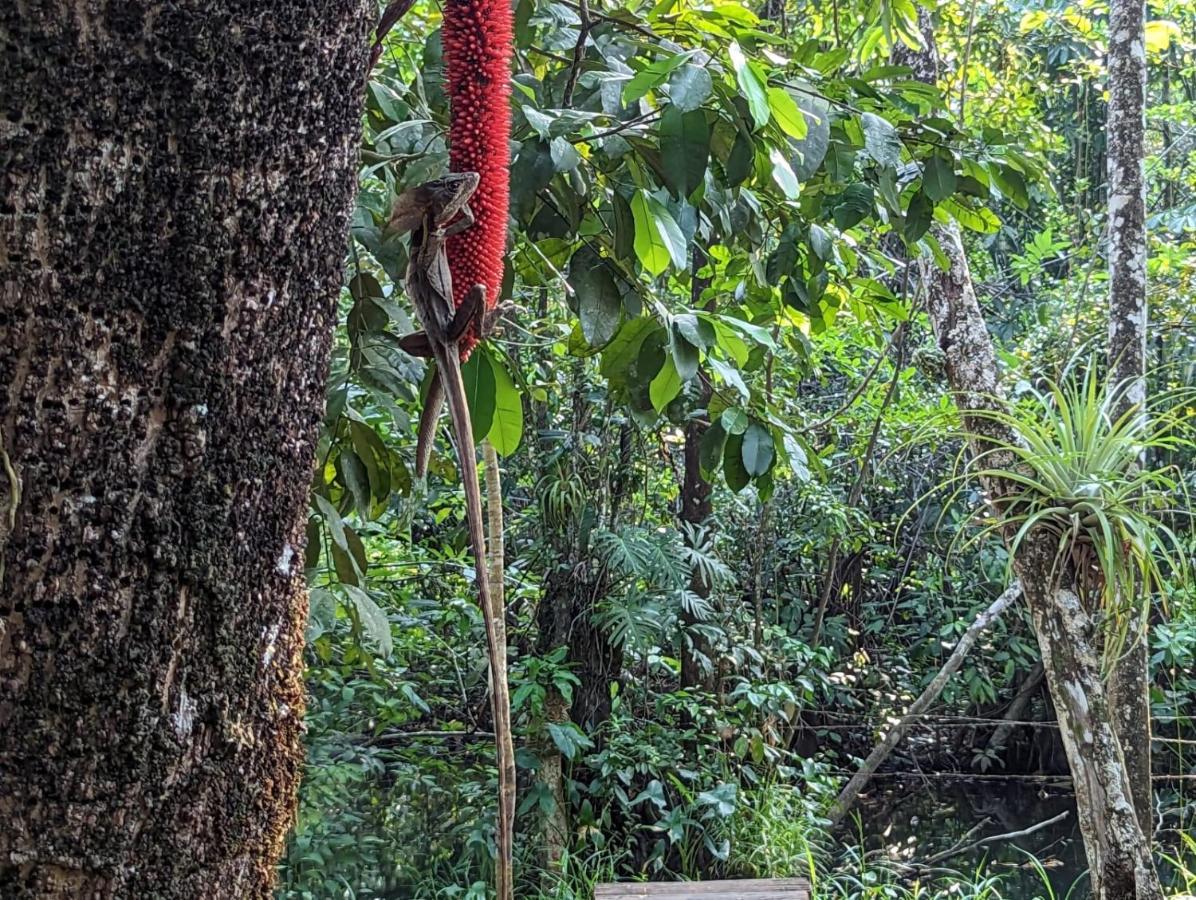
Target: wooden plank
{"x": 749, "y": 889}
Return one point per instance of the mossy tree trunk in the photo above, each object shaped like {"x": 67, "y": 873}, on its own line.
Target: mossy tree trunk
{"x": 176, "y": 185}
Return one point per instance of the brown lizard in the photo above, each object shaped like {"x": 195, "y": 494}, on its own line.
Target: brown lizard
{"x": 451, "y": 195}
{"x": 431, "y": 211}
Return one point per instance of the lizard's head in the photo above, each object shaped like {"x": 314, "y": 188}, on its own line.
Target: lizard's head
{"x": 443, "y": 197}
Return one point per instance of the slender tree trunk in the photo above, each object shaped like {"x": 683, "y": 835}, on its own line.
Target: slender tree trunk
{"x": 1119, "y": 858}
{"x": 696, "y": 505}
{"x": 176, "y": 181}
{"x": 1129, "y": 688}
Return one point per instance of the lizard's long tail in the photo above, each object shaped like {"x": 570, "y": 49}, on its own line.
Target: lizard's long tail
{"x": 500, "y": 701}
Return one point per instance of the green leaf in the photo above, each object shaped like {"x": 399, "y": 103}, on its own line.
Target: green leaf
{"x": 356, "y": 478}
{"x": 787, "y": 113}
{"x": 374, "y": 624}
{"x": 733, "y": 470}
{"x": 685, "y": 355}
{"x": 599, "y": 302}
{"x": 507, "y": 430}
{"x": 731, "y": 376}
{"x": 478, "y": 377}
{"x": 684, "y": 149}
{"x": 569, "y": 739}
{"x": 783, "y": 175}
{"x": 674, "y": 239}
{"x": 564, "y": 155}
{"x": 757, "y": 450}
{"x": 752, "y": 85}
{"x": 811, "y": 150}
{"x": 938, "y": 177}
{"x": 652, "y": 76}
{"x": 665, "y": 386}
{"x": 689, "y": 87}
{"x": 734, "y": 420}
{"x": 621, "y": 353}
{"x": 696, "y": 330}
{"x": 710, "y": 448}
{"x": 880, "y": 140}
{"x": 853, "y": 206}
{"x": 740, "y": 160}
{"x": 974, "y": 218}
{"x": 918, "y": 217}
{"x": 820, "y": 242}
{"x": 650, "y": 245}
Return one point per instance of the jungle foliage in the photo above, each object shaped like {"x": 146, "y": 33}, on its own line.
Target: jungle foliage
{"x": 712, "y": 207}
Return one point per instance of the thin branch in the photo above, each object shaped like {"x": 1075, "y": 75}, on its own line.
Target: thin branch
{"x": 993, "y": 838}
{"x": 579, "y": 52}
{"x": 394, "y": 11}
{"x": 881, "y": 751}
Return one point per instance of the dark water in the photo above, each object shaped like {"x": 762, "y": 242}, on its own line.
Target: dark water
{"x": 913, "y": 820}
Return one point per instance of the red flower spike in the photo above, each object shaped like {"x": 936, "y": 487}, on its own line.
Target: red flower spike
{"x": 478, "y": 37}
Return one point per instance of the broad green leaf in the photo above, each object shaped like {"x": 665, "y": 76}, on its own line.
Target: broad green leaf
{"x": 685, "y": 355}
{"x": 507, "y": 430}
{"x": 787, "y": 114}
{"x": 757, "y": 450}
{"x": 880, "y": 140}
{"x": 783, "y": 175}
{"x": 689, "y": 87}
{"x": 918, "y": 217}
{"x": 670, "y": 231}
{"x": 853, "y": 206}
{"x": 1160, "y": 34}
{"x": 650, "y": 245}
{"x": 752, "y": 85}
{"x": 569, "y": 739}
{"x": 478, "y": 377}
{"x": 684, "y": 149}
{"x": 733, "y": 469}
{"x": 599, "y": 303}
{"x": 731, "y": 376}
{"x": 820, "y": 242}
{"x": 356, "y": 478}
{"x": 1033, "y": 20}
{"x": 938, "y": 177}
{"x": 652, "y": 76}
{"x": 980, "y": 219}
{"x": 734, "y": 420}
{"x": 374, "y": 624}
{"x": 665, "y": 386}
{"x": 621, "y": 353}
{"x": 710, "y": 448}
{"x": 696, "y": 330}
{"x": 810, "y": 151}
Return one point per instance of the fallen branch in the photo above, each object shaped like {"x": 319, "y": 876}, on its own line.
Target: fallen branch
{"x": 879, "y": 753}
{"x": 993, "y": 838}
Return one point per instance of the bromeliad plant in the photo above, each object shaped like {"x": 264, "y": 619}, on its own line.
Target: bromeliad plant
{"x": 1085, "y": 471}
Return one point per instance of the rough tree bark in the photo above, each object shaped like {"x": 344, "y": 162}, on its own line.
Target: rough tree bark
{"x": 1129, "y": 688}
{"x": 176, "y": 180}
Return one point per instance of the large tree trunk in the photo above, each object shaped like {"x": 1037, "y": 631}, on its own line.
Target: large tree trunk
{"x": 1129, "y": 688}
{"x": 1119, "y": 858}
{"x": 177, "y": 181}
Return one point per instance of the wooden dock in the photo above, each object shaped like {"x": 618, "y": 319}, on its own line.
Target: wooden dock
{"x": 754, "y": 889}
